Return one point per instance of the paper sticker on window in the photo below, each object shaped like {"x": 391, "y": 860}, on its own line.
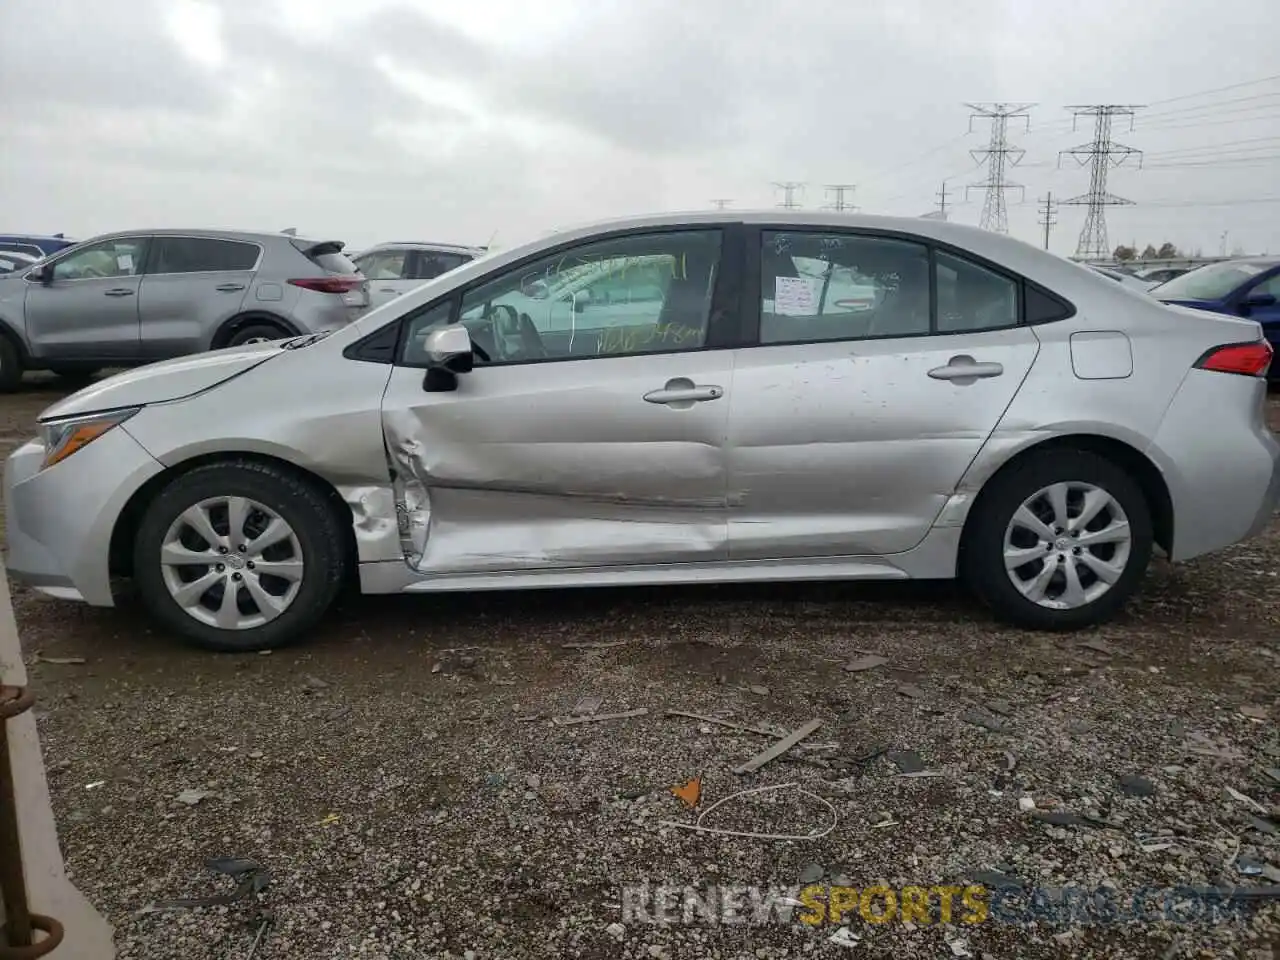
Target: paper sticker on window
{"x": 125, "y": 262}
{"x": 796, "y": 296}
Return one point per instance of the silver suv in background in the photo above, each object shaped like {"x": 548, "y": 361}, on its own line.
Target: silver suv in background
{"x": 396, "y": 268}
{"x": 132, "y": 298}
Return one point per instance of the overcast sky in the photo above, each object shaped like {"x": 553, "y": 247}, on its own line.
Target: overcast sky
{"x": 365, "y": 120}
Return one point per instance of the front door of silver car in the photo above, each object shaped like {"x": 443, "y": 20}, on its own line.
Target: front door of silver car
{"x": 855, "y": 417}
{"x": 191, "y": 287}
{"x": 86, "y": 306}
{"x": 593, "y": 447}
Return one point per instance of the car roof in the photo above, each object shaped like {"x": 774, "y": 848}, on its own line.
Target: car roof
{"x": 424, "y": 245}
{"x": 1256, "y": 261}
{"x": 223, "y": 234}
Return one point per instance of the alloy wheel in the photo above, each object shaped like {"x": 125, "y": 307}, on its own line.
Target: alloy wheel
{"x": 231, "y": 563}
{"x": 1067, "y": 545}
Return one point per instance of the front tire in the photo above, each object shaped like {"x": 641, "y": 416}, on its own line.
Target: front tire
{"x": 1059, "y": 541}
{"x": 10, "y": 366}
{"x": 239, "y": 556}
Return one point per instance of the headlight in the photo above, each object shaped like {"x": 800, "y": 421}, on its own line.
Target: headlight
{"x": 62, "y": 438}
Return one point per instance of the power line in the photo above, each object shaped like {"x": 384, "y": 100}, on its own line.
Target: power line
{"x": 840, "y": 189}
{"x": 1205, "y": 93}
{"x": 1214, "y": 147}
{"x": 998, "y": 155}
{"x": 789, "y": 190}
{"x": 1238, "y": 161}
{"x": 1048, "y": 216}
{"x": 1196, "y": 125}
{"x": 1210, "y": 108}
{"x": 1101, "y": 154}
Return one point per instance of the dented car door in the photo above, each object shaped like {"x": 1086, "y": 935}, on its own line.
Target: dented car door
{"x": 601, "y": 446}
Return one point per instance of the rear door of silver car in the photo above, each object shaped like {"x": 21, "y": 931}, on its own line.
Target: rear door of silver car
{"x": 855, "y": 417}
{"x": 599, "y": 447}
{"x": 191, "y": 286}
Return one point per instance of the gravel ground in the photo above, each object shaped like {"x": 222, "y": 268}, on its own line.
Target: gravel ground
{"x": 403, "y": 781}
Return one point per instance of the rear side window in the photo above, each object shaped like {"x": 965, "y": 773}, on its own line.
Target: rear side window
{"x": 13, "y": 247}
{"x": 384, "y": 265}
{"x": 202, "y": 255}
{"x": 971, "y": 297}
{"x": 428, "y": 264}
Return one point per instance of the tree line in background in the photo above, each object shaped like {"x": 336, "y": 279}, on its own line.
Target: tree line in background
{"x": 1166, "y": 251}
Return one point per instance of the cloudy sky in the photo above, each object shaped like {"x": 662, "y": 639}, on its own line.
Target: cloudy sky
{"x": 366, "y": 120}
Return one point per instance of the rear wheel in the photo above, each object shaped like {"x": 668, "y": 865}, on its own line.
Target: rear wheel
{"x": 10, "y": 365}
{"x": 239, "y": 556}
{"x": 1060, "y": 541}
{"x": 256, "y": 333}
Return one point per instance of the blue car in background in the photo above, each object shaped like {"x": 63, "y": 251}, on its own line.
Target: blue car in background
{"x": 1249, "y": 287}
{"x": 36, "y": 246}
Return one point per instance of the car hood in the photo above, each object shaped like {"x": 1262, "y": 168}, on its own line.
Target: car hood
{"x": 164, "y": 381}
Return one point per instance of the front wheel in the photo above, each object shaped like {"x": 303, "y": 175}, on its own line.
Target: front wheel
{"x": 239, "y": 556}
{"x": 1059, "y": 541}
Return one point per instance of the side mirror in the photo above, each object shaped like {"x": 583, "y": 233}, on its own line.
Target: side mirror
{"x": 1259, "y": 300}
{"x": 42, "y": 273}
{"x": 448, "y": 353}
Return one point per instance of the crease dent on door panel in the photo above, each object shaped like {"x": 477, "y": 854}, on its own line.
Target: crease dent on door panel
{"x": 416, "y": 464}
{"x": 375, "y": 520}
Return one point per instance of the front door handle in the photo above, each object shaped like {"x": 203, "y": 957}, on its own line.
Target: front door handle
{"x": 682, "y": 393}
{"x": 964, "y": 369}
{"x": 119, "y": 292}
{"x": 229, "y": 287}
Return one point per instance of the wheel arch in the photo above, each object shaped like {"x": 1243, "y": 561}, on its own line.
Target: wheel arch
{"x": 120, "y": 559}
{"x": 10, "y": 333}
{"x": 222, "y": 336}
{"x": 1133, "y": 461}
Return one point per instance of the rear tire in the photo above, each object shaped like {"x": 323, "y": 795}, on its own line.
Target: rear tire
{"x": 1075, "y": 593}
{"x": 267, "y": 609}
{"x": 10, "y": 365}
{"x": 256, "y": 333}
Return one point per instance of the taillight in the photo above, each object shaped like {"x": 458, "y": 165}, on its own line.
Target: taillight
{"x": 1249, "y": 359}
{"x": 329, "y": 284}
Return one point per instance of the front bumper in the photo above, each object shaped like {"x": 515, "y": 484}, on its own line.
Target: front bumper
{"x": 59, "y": 521}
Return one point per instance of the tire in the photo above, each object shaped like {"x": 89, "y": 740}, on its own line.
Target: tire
{"x": 982, "y": 559}
{"x": 74, "y": 374}
{"x": 317, "y": 541}
{"x": 254, "y": 332}
{"x": 10, "y": 366}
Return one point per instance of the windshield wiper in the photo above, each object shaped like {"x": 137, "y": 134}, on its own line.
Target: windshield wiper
{"x": 305, "y": 341}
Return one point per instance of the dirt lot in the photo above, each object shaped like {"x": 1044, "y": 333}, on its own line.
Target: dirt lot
{"x": 403, "y": 781}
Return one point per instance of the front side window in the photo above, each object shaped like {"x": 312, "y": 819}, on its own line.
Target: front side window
{"x": 384, "y": 264}
{"x": 818, "y": 287}
{"x": 109, "y": 258}
{"x": 1269, "y": 286}
{"x": 202, "y": 255}
{"x": 629, "y": 295}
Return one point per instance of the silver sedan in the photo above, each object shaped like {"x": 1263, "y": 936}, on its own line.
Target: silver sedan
{"x": 711, "y": 404}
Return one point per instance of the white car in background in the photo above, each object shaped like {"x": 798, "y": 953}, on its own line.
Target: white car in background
{"x": 1125, "y": 279}
{"x": 396, "y": 268}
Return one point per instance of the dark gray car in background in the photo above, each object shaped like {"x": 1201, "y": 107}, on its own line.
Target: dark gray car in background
{"x": 134, "y": 297}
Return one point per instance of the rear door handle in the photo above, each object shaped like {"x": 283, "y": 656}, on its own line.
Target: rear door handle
{"x": 683, "y": 392}
{"x": 229, "y": 287}
{"x": 119, "y": 292}
{"x": 964, "y": 369}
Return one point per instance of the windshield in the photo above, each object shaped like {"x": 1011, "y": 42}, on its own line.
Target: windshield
{"x": 1215, "y": 281}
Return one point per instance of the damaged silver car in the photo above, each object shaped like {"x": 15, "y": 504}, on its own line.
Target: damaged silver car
{"x": 699, "y": 398}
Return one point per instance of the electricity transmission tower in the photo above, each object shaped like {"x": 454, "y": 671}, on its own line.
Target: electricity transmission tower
{"x": 1101, "y": 154}
{"x": 1048, "y": 216}
{"x": 790, "y": 189}
{"x": 840, "y": 189}
{"x": 998, "y": 156}
{"x": 720, "y": 203}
